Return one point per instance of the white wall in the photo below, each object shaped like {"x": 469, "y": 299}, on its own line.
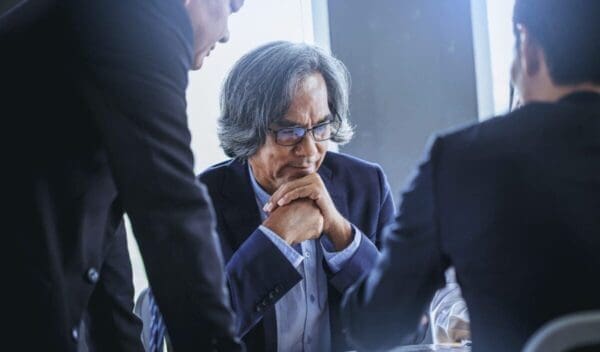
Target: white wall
{"x": 502, "y": 45}
{"x": 258, "y": 22}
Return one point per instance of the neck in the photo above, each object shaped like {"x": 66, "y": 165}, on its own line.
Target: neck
{"x": 552, "y": 92}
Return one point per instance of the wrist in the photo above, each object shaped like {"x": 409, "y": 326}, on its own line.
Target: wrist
{"x": 278, "y": 231}
{"x": 340, "y": 234}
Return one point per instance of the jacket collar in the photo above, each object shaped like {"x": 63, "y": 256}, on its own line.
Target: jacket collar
{"x": 582, "y": 97}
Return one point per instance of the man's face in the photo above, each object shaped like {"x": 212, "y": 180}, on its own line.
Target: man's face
{"x": 273, "y": 165}
{"x": 209, "y": 20}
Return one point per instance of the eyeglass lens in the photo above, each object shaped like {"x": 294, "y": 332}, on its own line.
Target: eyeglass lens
{"x": 293, "y": 135}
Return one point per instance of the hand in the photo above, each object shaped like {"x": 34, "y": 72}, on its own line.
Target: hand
{"x": 297, "y": 221}
{"x": 311, "y": 186}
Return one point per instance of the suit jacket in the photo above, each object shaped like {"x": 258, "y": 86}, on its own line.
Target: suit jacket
{"x": 513, "y": 204}
{"x": 109, "y": 321}
{"x": 94, "y": 103}
{"x": 259, "y": 274}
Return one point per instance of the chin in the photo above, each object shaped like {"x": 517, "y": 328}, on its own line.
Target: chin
{"x": 296, "y": 173}
{"x": 198, "y": 61}
{"x": 197, "y": 65}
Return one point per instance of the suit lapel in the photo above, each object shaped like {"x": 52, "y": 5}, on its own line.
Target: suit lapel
{"x": 241, "y": 213}
{"x": 335, "y": 189}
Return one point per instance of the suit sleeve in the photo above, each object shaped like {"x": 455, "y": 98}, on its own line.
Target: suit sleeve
{"x": 384, "y": 309}
{"x": 134, "y": 58}
{"x": 259, "y": 274}
{"x": 363, "y": 260}
{"x": 112, "y": 325}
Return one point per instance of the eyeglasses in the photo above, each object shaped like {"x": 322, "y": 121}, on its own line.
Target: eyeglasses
{"x": 289, "y": 136}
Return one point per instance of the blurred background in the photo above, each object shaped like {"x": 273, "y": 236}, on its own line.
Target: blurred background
{"x": 417, "y": 67}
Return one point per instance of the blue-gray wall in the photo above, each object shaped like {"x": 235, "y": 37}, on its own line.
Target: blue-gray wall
{"x": 413, "y": 73}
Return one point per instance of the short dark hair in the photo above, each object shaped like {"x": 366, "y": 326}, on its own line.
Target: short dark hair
{"x": 568, "y": 31}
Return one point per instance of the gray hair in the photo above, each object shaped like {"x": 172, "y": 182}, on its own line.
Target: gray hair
{"x": 261, "y": 86}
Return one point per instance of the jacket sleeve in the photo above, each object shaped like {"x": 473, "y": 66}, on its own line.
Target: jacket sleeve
{"x": 384, "y": 309}
{"x": 110, "y": 321}
{"x": 363, "y": 260}
{"x": 134, "y": 58}
{"x": 259, "y": 274}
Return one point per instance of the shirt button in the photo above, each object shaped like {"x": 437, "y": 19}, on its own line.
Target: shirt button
{"x": 75, "y": 334}
{"x": 307, "y": 254}
{"x": 312, "y": 298}
{"x": 92, "y": 275}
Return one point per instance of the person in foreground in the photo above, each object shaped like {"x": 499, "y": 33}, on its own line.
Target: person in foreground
{"x": 512, "y": 203}
{"x": 289, "y": 263}
{"x": 94, "y": 95}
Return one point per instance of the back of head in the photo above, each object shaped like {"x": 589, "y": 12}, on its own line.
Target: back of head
{"x": 568, "y": 32}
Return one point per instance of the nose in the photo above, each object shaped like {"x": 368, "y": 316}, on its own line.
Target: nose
{"x": 307, "y": 147}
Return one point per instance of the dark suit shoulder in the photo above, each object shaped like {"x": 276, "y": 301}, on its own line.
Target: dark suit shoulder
{"x": 344, "y": 164}
{"x": 526, "y": 125}
{"x": 214, "y": 172}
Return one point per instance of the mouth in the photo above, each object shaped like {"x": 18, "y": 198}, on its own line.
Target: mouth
{"x": 304, "y": 169}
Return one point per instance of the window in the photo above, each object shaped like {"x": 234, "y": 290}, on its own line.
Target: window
{"x": 493, "y": 43}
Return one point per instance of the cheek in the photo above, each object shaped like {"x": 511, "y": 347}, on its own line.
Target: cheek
{"x": 278, "y": 164}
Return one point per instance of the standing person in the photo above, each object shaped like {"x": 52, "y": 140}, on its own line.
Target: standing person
{"x": 511, "y": 203}
{"x": 94, "y": 103}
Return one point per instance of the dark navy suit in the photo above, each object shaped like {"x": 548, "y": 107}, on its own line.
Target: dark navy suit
{"x": 93, "y": 103}
{"x": 514, "y": 205}
{"x": 259, "y": 274}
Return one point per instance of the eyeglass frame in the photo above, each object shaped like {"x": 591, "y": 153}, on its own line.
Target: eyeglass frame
{"x": 335, "y": 119}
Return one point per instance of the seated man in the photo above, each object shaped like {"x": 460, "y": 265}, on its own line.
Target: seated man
{"x": 511, "y": 203}
{"x": 288, "y": 264}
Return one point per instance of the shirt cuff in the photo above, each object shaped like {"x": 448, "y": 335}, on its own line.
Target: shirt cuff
{"x": 288, "y": 251}
{"x": 337, "y": 260}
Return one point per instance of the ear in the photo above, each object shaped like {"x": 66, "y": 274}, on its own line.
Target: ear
{"x": 530, "y": 52}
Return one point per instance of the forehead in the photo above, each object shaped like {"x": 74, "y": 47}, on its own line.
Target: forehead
{"x": 310, "y": 101}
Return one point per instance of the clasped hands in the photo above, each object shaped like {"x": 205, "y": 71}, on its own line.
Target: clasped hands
{"x": 302, "y": 209}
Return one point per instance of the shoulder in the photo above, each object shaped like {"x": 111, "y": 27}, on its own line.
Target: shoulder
{"x": 517, "y": 123}
{"x": 161, "y": 39}
{"x": 351, "y": 170}
{"x": 531, "y": 124}
{"x": 340, "y": 162}
{"x": 216, "y": 173}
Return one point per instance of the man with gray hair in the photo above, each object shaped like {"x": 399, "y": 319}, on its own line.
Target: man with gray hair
{"x": 297, "y": 223}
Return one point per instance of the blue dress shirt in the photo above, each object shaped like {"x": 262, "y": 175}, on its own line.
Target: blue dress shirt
{"x": 302, "y": 314}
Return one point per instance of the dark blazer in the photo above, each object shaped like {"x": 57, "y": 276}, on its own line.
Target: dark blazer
{"x": 94, "y": 119}
{"x": 259, "y": 274}
{"x": 513, "y": 204}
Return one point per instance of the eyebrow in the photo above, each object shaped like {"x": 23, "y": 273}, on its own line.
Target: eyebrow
{"x": 287, "y": 123}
